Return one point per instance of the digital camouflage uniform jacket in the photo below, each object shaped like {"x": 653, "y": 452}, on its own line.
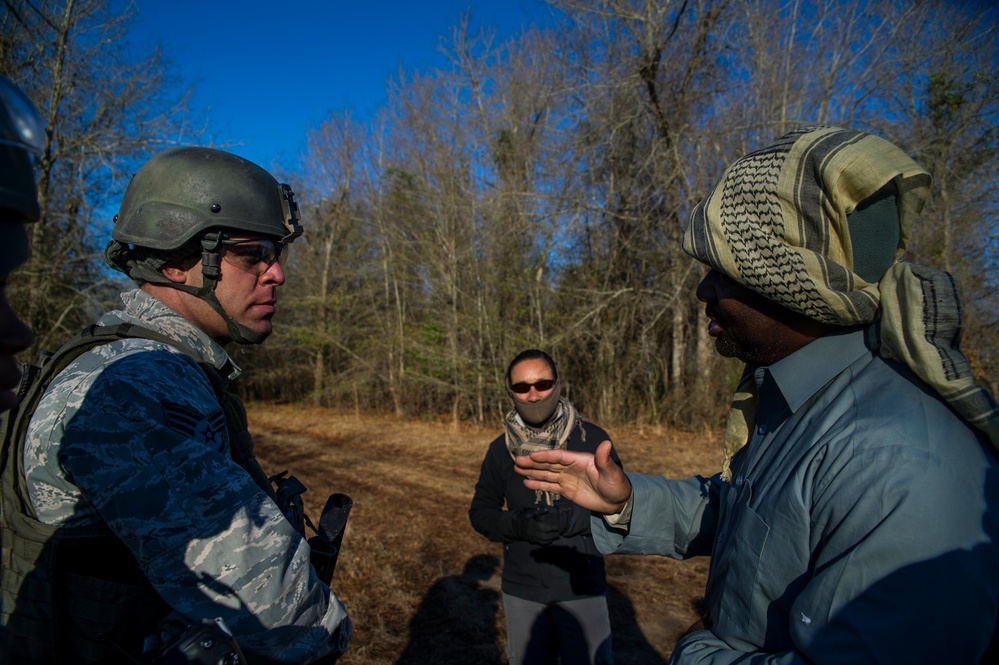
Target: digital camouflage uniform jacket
{"x": 131, "y": 434}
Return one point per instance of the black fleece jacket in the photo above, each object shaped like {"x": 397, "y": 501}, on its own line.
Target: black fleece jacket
{"x": 567, "y": 569}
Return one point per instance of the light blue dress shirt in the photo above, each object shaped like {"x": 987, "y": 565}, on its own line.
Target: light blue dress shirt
{"x": 860, "y": 525}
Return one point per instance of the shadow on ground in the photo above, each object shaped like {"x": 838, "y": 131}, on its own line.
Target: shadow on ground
{"x": 457, "y": 618}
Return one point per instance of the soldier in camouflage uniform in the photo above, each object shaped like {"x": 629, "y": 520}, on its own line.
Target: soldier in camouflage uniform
{"x": 135, "y": 447}
{"x": 20, "y": 143}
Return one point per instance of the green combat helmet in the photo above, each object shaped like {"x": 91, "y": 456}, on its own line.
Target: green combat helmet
{"x": 190, "y": 193}
{"x": 21, "y": 143}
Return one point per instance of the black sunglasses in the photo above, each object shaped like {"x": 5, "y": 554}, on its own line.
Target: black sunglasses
{"x": 540, "y": 386}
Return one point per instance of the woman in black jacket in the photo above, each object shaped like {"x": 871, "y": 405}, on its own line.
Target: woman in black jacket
{"x": 554, "y": 587}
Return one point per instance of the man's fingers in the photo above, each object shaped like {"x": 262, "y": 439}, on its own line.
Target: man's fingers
{"x": 542, "y": 485}
{"x": 526, "y": 466}
{"x": 602, "y": 455}
{"x": 524, "y": 461}
{"x": 546, "y": 475}
{"x": 547, "y": 457}
{"x": 528, "y": 463}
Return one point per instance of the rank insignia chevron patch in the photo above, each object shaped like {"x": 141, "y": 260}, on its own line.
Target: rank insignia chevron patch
{"x": 210, "y": 430}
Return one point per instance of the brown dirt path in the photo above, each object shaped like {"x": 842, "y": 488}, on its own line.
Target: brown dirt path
{"x": 420, "y": 585}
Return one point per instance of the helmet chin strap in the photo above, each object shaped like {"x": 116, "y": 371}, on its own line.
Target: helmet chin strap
{"x": 119, "y": 256}
{"x": 211, "y": 245}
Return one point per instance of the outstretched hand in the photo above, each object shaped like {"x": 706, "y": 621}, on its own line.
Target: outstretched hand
{"x": 592, "y": 481}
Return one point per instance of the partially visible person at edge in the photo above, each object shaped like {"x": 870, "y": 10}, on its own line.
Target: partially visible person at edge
{"x": 855, "y": 519}
{"x": 20, "y": 144}
{"x": 554, "y": 587}
{"x": 143, "y": 494}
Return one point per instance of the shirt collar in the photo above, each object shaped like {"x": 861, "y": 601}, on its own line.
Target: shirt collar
{"x": 144, "y": 310}
{"x": 795, "y": 379}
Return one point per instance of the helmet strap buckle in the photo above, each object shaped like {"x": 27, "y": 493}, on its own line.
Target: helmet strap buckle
{"x": 211, "y": 245}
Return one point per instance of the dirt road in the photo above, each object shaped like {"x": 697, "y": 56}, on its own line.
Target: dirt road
{"x": 420, "y": 585}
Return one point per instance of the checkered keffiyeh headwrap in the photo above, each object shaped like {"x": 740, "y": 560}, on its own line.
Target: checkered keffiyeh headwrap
{"x": 777, "y": 223}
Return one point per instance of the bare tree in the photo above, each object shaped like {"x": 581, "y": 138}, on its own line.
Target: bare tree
{"x": 103, "y": 110}
{"x": 948, "y": 112}
{"x": 532, "y": 192}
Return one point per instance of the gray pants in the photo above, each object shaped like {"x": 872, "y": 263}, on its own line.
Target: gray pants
{"x": 577, "y": 631}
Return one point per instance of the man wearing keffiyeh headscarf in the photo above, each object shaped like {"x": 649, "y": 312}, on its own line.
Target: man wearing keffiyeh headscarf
{"x": 856, "y": 517}
{"x": 554, "y": 585}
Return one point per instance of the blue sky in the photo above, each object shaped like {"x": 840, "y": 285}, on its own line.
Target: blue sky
{"x": 269, "y": 71}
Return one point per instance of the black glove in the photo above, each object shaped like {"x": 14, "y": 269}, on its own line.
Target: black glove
{"x": 539, "y": 525}
{"x": 565, "y": 515}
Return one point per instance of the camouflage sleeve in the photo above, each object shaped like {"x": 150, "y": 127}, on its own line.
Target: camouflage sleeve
{"x": 148, "y": 450}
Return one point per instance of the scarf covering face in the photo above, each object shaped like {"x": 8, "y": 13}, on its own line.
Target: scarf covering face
{"x": 777, "y": 224}
{"x": 522, "y": 439}
{"x": 537, "y": 414}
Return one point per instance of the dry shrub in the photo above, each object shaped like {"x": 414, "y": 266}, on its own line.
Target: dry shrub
{"x": 420, "y": 585}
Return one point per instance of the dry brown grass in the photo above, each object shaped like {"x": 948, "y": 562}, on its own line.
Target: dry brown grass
{"x": 420, "y": 585}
